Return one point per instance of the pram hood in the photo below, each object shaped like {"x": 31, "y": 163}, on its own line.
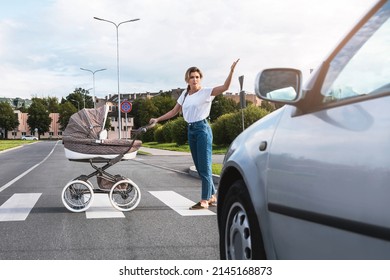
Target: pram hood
{"x": 81, "y": 137}
{"x": 86, "y": 124}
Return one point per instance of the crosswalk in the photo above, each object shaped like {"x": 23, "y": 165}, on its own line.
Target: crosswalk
{"x": 101, "y": 208}
{"x": 19, "y": 206}
{"x": 180, "y": 204}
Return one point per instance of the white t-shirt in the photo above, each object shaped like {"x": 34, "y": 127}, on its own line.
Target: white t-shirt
{"x": 196, "y": 106}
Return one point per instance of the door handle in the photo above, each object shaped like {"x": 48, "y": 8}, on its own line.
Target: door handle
{"x": 263, "y": 146}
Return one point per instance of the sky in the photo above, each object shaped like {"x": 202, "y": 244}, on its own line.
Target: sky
{"x": 44, "y": 43}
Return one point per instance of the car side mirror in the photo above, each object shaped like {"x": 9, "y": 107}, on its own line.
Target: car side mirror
{"x": 282, "y": 85}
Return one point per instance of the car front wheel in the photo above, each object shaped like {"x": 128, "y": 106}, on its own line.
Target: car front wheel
{"x": 240, "y": 236}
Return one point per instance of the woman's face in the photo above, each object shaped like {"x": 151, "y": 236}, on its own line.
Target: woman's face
{"x": 194, "y": 79}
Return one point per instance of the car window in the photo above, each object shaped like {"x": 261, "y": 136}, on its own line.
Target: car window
{"x": 363, "y": 66}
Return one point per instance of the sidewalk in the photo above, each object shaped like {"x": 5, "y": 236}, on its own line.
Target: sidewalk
{"x": 192, "y": 170}
{"x": 159, "y": 152}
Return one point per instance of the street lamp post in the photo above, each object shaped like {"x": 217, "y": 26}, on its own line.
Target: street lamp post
{"x": 78, "y": 104}
{"x": 93, "y": 77}
{"x": 117, "y": 63}
{"x": 86, "y": 94}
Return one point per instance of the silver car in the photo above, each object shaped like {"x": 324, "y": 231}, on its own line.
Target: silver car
{"x": 312, "y": 179}
{"x": 29, "y": 137}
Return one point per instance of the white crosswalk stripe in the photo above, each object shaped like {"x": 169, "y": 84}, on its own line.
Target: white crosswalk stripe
{"x": 101, "y": 208}
{"x": 18, "y": 206}
{"x": 180, "y": 204}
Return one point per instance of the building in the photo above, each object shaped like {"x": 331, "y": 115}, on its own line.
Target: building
{"x": 24, "y": 129}
{"x": 17, "y": 102}
{"x": 248, "y": 97}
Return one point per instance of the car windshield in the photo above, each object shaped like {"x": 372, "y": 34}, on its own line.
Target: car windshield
{"x": 362, "y": 66}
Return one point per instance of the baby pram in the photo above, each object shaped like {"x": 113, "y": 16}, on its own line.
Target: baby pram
{"x": 85, "y": 140}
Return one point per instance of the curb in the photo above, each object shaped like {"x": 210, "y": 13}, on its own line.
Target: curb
{"x": 192, "y": 171}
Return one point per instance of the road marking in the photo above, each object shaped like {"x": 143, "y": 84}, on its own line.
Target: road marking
{"x": 18, "y": 206}
{"x": 102, "y": 208}
{"x": 28, "y": 171}
{"x": 180, "y": 204}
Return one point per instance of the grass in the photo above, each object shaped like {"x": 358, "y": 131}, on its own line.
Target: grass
{"x": 9, "y": 144}
{"x": 217, "y": 167}
{"x": 217, "y": 150}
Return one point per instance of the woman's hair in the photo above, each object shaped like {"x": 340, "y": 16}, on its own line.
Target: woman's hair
{"x": 188, "y": 74}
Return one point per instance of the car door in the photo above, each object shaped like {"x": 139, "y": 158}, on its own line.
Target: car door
{"x": 329, "y": 168}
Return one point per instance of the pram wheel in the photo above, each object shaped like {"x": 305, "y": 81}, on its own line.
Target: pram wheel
{"x": 125, "y": 195}
{"x": 77, "y": 195}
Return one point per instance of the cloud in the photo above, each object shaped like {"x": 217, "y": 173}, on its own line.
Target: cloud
{"x": 44, "y": 45}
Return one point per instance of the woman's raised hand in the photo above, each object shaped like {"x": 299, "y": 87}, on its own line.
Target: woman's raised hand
{"x": 234, "y": 65}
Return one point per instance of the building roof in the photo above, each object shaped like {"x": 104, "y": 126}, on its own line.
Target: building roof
{"x": 16, "y": 102}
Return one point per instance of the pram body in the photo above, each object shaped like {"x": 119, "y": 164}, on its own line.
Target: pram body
{"x": 85, "y": 140}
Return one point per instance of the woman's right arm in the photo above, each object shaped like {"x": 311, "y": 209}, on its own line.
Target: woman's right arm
{"x": 170, "y": 114}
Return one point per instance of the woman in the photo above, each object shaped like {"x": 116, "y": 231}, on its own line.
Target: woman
{"x": 195, "y": 102}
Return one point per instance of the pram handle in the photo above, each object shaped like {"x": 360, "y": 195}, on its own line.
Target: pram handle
{"x": 143, "y": 129}
{"x": 136, "y": 133}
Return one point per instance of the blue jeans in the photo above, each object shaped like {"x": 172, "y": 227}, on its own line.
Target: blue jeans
{"x": 200, "y": 139}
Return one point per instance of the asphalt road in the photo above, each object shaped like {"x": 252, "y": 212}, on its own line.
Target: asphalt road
{"x": 34, "y": 224}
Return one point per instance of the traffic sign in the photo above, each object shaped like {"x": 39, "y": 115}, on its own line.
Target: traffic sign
{"x": 126, "y": 106}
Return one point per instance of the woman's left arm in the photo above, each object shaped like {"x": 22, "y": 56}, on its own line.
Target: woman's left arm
{"x": 220, "y": 89}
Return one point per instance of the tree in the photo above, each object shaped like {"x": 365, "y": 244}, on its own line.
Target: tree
{"x": 66, "y": 111}
{"x": 78, "y": 97}
{"x": 221, "y": 106}
{"x": 38, "y": 117}
{"x": 52, "y": 104}
{"x": 135, "y": 111}
{"x": 164, "y": 103}
{"x": 8, "y": 119}
{"x": 144, "y": 109}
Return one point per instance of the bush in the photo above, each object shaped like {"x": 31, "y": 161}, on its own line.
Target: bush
{"x": 229, "y": 126}
{"x": 252, "y": 114}
{"x": 172, "y": 131}
{"x": 179, "y": 131}
{"x": 167, "y": 131}
{"x": 148, "y": 136}
{"x": 159, "y": 134}
{"x": 219, "y": 129}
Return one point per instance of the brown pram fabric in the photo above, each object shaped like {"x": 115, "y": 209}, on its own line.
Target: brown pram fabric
{"x": 81, "y": 135}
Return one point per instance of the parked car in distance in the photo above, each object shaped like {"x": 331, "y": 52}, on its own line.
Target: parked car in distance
{"x": 29, "y": 137}
{"x": 311, "y": 179}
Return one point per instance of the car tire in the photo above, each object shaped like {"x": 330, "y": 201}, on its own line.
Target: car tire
{"x": 240, "y": 235}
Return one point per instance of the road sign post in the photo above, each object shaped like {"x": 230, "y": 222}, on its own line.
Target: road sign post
{"x": 126, "y": 107}
{"x": 242, "y": 100}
